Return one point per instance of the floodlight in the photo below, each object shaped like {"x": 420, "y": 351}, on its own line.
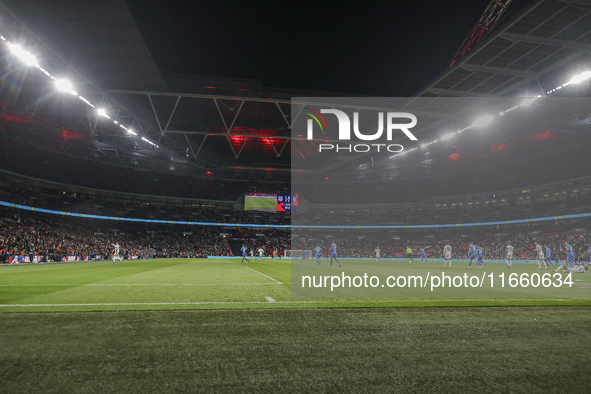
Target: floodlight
{"x": 130, "y": 131}
{"x": 447, "y": 136}
{"x": 528, "y": 101}
{"x": 65, "y": 86}
{"x": 24, "y": 56}
{"x": 483, "y": 121}
{"x": 102, "y": 112}
{"x": 580, "y": 77}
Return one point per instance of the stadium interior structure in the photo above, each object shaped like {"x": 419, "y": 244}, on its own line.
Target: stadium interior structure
{"x": 125, "y": 140}
{"x": 103, "y": 156}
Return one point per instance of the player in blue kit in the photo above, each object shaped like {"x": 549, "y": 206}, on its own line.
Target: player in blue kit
{"x": 306, "y": 255}
{"x": 333, "y": 254}
{"x": 317, "y": 250}
{"x": 479, "y": 257}
{"x": 243, "y": 249}
{"x": 570, "y": 255}
{"x": 473, "y": 253}
{"x": 548, "y": 256}
{"x": 424, "y": 256}
{"x": 570, "y": 258}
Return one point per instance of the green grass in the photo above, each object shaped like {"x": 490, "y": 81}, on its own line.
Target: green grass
{"x": 218, "y": 325}
{"x": 516, "y": 349}
{"x": 260, "y": 203}
{"x": 227, "y": 284}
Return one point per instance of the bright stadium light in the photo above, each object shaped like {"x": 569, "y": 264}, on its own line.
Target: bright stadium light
{"x": 483, "y": 121}
{"x": 580, "y": 77}
{"x": 64, "y": 85}
{"x": 102, "y": 112}
{"x": 130, "y": 131}
{"x": 24, "y": 56}
{"x": 528, "y": 101}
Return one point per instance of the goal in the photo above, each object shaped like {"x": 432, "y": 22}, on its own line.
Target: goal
{"x": 296, "y": 254}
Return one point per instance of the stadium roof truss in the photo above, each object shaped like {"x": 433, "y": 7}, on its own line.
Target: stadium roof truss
{"x": 527, "y": 55}
{"x": 238, "y": 129}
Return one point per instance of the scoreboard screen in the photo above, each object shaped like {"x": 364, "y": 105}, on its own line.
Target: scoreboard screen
{"x": 287, "y": 202}
{"x": 271, "y": 202}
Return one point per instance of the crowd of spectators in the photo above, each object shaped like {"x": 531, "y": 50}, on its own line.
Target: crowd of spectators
{"x": 493, "y": 242}
{"x": 71, "y": 202}
{"x": 56, "y": 238}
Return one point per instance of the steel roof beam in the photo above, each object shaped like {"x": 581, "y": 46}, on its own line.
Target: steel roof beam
{"x": 547, "y": 41}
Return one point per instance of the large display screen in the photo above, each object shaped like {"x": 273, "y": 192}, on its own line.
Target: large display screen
{"x": 287, "y": 202}
{"x": 271, "y": 202}
{"x": 260, "y": 202}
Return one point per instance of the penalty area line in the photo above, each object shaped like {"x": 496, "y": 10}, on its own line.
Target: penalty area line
{"x": 266, "y": 276}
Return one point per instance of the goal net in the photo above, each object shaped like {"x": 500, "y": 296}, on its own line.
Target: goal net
{"x": 297, "y": 254}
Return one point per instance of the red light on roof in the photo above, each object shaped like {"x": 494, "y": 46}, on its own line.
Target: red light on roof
{"x": 541, "y": 135}
{"x": 208, "y": 172}
{"x": 242, "y": 90}
{"x": 327, "y": 178}
{"x": 498, "y": 148}
{"x": 454, "y": 157}
{"x": 16, "y": 119}
{"x": 210, "y": 87}
{"x": 68, "y": 135}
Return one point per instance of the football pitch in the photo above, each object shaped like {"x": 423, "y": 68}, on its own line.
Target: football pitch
{"x": 217, "y": 325}
{"x": 227, "y": 284}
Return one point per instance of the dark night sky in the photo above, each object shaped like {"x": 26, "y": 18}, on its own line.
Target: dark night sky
{"x": 382, "y": 48}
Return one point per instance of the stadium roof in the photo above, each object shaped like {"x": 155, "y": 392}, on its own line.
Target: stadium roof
{"x": 240, "y": 129}
{"x": 526, "y": 56}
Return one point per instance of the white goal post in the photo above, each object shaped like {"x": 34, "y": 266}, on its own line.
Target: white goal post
{"x": 296, "y": 254}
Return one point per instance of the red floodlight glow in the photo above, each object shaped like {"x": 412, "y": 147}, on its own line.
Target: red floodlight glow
{"x": 454, "y": 157}
{"x": 541, "y": 135}
{"x": 15, "y": 119}
{"x": 498, "y": 148}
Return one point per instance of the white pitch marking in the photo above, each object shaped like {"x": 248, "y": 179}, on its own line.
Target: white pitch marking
{"x": 270, "y": 299}
{"x": 266, "y": 276}
{"x": 144, "y": 284}
{"x": 276, "y": 302}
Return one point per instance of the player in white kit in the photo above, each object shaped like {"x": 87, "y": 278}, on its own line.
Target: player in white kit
{"x": 377, "y": 252}
{"x": 540, "y": 257}
{"x": 509, "y": 256}
{"x": 447, "y": 255}
{"x": 116, "y": 253}
{"x": 261, "y": 251}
